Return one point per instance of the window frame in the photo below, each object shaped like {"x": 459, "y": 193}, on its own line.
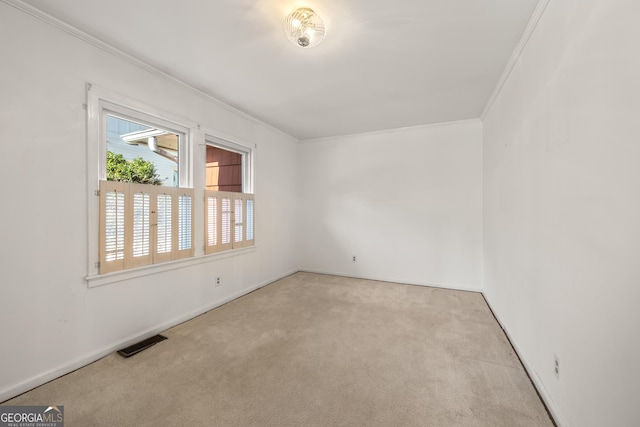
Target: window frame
{"x": 236, "y": 147}
{"x": 110, "y": 109}
{"x": 99, "y": 104}
{"x": 247, "y": 153}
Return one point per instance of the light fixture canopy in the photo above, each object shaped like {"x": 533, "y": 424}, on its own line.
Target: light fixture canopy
{"x": 304, "y": 28}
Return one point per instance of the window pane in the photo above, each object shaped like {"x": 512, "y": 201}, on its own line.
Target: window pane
{"x": 141, "y": 153}
{"x": 223, "y": 170}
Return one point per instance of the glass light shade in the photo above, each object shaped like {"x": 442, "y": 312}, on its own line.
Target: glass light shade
{"x": 304, "y": 28}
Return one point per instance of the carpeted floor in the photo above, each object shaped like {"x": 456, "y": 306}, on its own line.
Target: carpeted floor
{"x": 314, "y": 350}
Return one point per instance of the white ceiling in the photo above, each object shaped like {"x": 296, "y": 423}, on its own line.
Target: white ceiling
{"x": 384, "y": 64}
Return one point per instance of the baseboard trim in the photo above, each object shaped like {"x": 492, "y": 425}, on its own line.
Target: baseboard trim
{"x": 553, "y": 410}
{"x": 41, "y": 379}
{"x": 395, "y": 280}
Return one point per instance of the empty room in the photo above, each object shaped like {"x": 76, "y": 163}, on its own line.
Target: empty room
{"x": 320, "y": 213}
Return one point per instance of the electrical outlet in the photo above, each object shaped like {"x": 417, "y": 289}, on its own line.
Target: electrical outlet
{"x": 355, "y": 259}
{"x": 556, "y": 366}
{"x": 217, "y": 281}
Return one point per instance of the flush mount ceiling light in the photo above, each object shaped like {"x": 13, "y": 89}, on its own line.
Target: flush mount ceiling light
{"x": 304, "y": 28}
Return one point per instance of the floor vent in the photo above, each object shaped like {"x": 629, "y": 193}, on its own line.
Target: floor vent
{"x": 142, "y": 345}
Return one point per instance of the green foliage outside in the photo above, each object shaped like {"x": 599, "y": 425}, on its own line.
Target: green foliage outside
{"x": 137, "y": 170}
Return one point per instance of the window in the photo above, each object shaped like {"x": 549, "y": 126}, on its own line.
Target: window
{"x": 142, "y": 224}
{"x": 143, "y": 207}
{"x": 145, "y": 213}
{"x": 229, "y": 205}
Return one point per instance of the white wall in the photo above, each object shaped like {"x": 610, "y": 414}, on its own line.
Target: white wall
{"x": 406, "y": 202}
{"x": 562, "y": 209}
{"x": 50, "y": 321}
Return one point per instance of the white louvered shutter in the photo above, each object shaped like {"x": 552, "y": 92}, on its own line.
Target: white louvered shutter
{"x": 164, "y": 224}
{"x": 212, "y": 221}
{"x": 249, "y": 220}
{"x": 112, "y": 235}
{"x": 185, "y": 224}
{"x": 138, "y": 214}
{"x": 238, "y": 221}
{"x": 143, "y": 224}
{"x": 229, "y": 220}
{"x": 226, "y": 220}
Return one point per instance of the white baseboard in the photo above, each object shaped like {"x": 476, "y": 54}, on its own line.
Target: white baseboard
{"x": 43, "y": 378}
{"x": 537, "y": 382}
{"x": 395, "y": 280}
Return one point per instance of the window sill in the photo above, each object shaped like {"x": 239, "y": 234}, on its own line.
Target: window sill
{"x": 119, "y": 276}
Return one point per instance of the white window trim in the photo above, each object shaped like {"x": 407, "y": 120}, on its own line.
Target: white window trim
{"x": 122, "y": 275}
{"x": 98, "y": 102}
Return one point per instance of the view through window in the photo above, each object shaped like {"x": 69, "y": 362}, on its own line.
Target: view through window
{"x": 141, "y": 154}
{"x": 224, "y": 170}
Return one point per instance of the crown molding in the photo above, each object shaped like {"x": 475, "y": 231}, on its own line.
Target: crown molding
{"x": 463, "y": 122}
{"x": 515, "y": 56}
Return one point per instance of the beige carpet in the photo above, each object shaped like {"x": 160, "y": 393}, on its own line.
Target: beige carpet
{"x": 313, "y": 350}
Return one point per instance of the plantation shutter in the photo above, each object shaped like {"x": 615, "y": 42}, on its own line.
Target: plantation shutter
{"x": 112, "y": 244}
{"x": 226, "y": 220}
{"x": 143, "y": 224}
{"x": 185, "y": 224}
{"x": 164, "y": 227}
{"x": 249, "y": 220}
{"x": 238, "y": 221}
{"x": 138, "y": 225}
{"x": 229, "y": 220}
{"x": 212, "y": 221}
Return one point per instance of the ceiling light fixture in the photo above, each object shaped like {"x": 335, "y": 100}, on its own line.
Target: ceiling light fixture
{"x": 304, "y": 28}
